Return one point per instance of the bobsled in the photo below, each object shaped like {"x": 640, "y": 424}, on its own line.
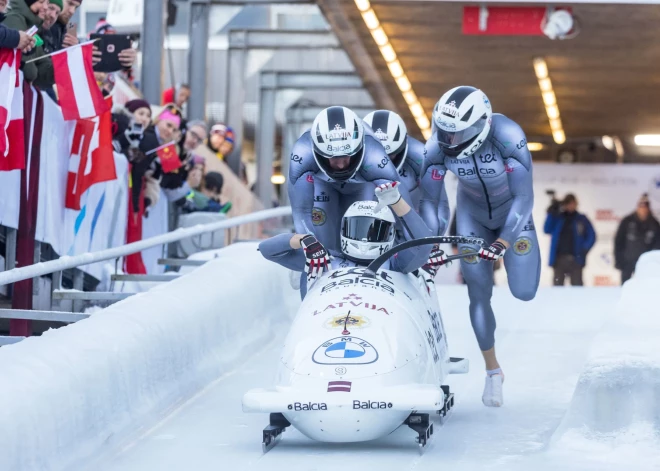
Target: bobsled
{"x": 366, "y": 353}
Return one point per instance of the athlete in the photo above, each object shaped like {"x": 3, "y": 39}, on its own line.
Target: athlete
{"x": 334, "y": 164}
{"x": 367, "y": 231}
{"x": 407, "y": 155}
{"x": 488, "y": 153}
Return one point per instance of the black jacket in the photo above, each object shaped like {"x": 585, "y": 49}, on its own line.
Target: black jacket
{"x": 633, "y": 238}
{"x": 9, "y": 38}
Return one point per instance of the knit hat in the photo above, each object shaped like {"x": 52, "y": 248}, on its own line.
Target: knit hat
{"x": 136, "y": 104}
{"x": 644, "y": 201}
{"x": 103, "y": 27}
{"x": 59, "y": 3}
{"x": 30, "y": 2}
{"x": 229, "y": 135}
{"x": 219, "y": 129}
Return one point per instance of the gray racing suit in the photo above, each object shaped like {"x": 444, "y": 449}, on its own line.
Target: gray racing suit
{"x": 319, "y": 202}
{"x": 277, "y": 249}
{"x": 410, "y": 176}
{"x": 494, "y": 200}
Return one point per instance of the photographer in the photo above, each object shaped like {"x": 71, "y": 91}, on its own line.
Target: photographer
{"x": 572, "y": 238}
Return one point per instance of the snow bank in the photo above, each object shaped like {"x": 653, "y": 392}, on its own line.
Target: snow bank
{"x": 67, "y": 393}
{"x": 617, "y": 398}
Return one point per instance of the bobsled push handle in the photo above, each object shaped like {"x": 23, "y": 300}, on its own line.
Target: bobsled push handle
{"x": 377, "y": 263}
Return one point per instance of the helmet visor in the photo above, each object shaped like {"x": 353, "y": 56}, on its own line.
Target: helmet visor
{"x": 398, "y": 157}
{"x": 339, "y": 167}
{"x": 452, "y": 139}
{"x": 366, "y": 229}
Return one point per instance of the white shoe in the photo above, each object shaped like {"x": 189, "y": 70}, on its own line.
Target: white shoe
{"x": 493, "y": 390}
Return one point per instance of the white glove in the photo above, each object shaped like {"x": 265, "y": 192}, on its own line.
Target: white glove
{"x": 387, "y": 194}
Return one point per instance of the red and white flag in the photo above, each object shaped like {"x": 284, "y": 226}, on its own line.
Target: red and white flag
{"x": 12, "y": 143}
{"x": 80, "y": 96}
{"x": 92, "y": 159}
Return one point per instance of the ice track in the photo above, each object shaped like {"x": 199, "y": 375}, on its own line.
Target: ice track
{"x": 543, "y": 346}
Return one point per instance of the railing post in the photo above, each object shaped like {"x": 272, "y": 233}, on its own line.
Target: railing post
{"x": 56, "y": 284}
{"x": 78, "y": 279}
{"x": 10, "y": 254}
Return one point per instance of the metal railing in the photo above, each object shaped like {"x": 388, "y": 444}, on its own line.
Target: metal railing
{"x": 66, "y": 262}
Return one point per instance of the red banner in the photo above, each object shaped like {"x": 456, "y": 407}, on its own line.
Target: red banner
{"x": 511, "y": 21}
{"x": 92, "y": 160}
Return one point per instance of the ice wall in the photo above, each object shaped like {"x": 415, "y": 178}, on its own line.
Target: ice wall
{"x": 65, "y": 394}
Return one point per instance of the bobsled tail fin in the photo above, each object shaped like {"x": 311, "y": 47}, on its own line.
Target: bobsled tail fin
{"x": 402, "y": 398}
{"x": 458, "y": 366}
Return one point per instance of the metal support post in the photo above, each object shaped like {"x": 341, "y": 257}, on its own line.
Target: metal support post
{"x": 197, "y": 54}
{"x": 265, "y": 140}
{"x": 78, "y": 280}
{"x": 235, "y": 100}
{"x": 152, "y": 41}
{"x": 10, "y": 248}
{"x": 37, "y": 259}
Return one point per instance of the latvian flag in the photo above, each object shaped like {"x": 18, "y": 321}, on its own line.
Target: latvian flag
{"x": 80, "y": 96}
{"x": 339, "y": 386}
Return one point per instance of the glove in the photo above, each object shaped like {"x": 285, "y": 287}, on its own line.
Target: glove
{"x": 492, "y": 253}
{"x": 437, "y": 258}
{"x": 316, "y": 258}
{"x": 387, "y": 194}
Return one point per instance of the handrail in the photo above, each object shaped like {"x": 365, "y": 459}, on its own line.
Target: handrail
{"x": 62, "y": 263}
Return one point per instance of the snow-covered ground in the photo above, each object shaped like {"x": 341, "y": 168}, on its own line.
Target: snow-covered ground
{"x": 543, "y": 346}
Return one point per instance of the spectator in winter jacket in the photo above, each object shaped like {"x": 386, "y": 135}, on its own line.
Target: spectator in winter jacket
{"x": 49, "y": 15}
{"x": 140, "y": 111}
{"x": 11, "y": 38}
{"x": 178, "y": 95}
{"x": 638, "y": 232}
{"x": 23, "y": 15}
{"x": 208, "y": 198}
{"x": 572, "y": 238}
{"x": 221, "y": 140}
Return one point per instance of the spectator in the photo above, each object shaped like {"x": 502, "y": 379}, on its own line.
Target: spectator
{"x": 196, "y": 173}
{"x": 140, "y": 111}
{"x": 194, "y": 135}
{"x": 126, "y": 57}
{"x": 49, "y": 15}
{"x": 11, "y": 38}
{"x": 57, "y": 37}
{"x": 221, "y": 140}
{"x": 208, "y": 198}
{"x": 23, "y": 15}
{"x": 177, "y": 95}
{"x": 167, "y": 125}
{"x": 639, "y": 232}
{"x": 572, "y": 238}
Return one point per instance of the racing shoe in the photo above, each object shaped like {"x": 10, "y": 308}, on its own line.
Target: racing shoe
{"x": 493, "y": 390}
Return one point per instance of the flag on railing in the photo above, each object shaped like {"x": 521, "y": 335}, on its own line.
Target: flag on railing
{"x": 169, "y": 158}
{"x": 80, "y": 96}
{"x": 12, "y": 142}
{"x": 92, "y": 160}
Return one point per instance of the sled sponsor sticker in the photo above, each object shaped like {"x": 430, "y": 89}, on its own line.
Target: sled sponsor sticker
{"x": 345, "y": 351}
{"x": 356, "y": 276}
{"x": 346, "y": 322}
{"x": 371, "y": 405}
{"x": 522, "y": 245}
{"x": 305, "y": 406}
{"x": 339, "y": 386}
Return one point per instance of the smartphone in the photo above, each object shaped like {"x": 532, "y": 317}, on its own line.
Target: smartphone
{"x": 110, "y": 46}
{"x": 72, "y": 29}
{"x": 136, "y": 128}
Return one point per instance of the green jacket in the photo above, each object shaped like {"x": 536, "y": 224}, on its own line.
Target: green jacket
{"x": 20, "y": 17}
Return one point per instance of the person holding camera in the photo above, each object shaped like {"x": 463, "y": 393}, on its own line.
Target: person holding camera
{"x": 572, "y": 238}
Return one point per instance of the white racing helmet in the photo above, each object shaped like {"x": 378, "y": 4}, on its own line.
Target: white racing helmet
{"x": 337, "y": 132}
{"x": 366, "y": 234}
{"x": 392, "y": 133}
{"x": 462, "y": 120}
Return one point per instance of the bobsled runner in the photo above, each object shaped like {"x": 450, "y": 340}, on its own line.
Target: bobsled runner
{"x": 367, "y": 352}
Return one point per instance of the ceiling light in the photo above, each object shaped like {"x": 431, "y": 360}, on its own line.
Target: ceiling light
{"x": 277, "y": 179}
{"x": 363, "y": 5}
{"x": 535, "y": 146}
{"x": 559, "y": 136}
{"x": 388, "y": 53}
{"x": 540, "y": 68}
{"x": 417, "y": 110}
{"x": 410, "y": 97}
{"x": 395, "y": 69}
{"x": 608, "y": 142}
{"x": 545, "y": 84}
{"x": 647, "y": 140}
{"x": 552, "y": 111}
{"x": 403, "y": 83}
{"x": 380, "y": 37}
{"x": 555, "y": 124}
{"x": 370, "y": 19}
{"x": 549, "y": 98}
